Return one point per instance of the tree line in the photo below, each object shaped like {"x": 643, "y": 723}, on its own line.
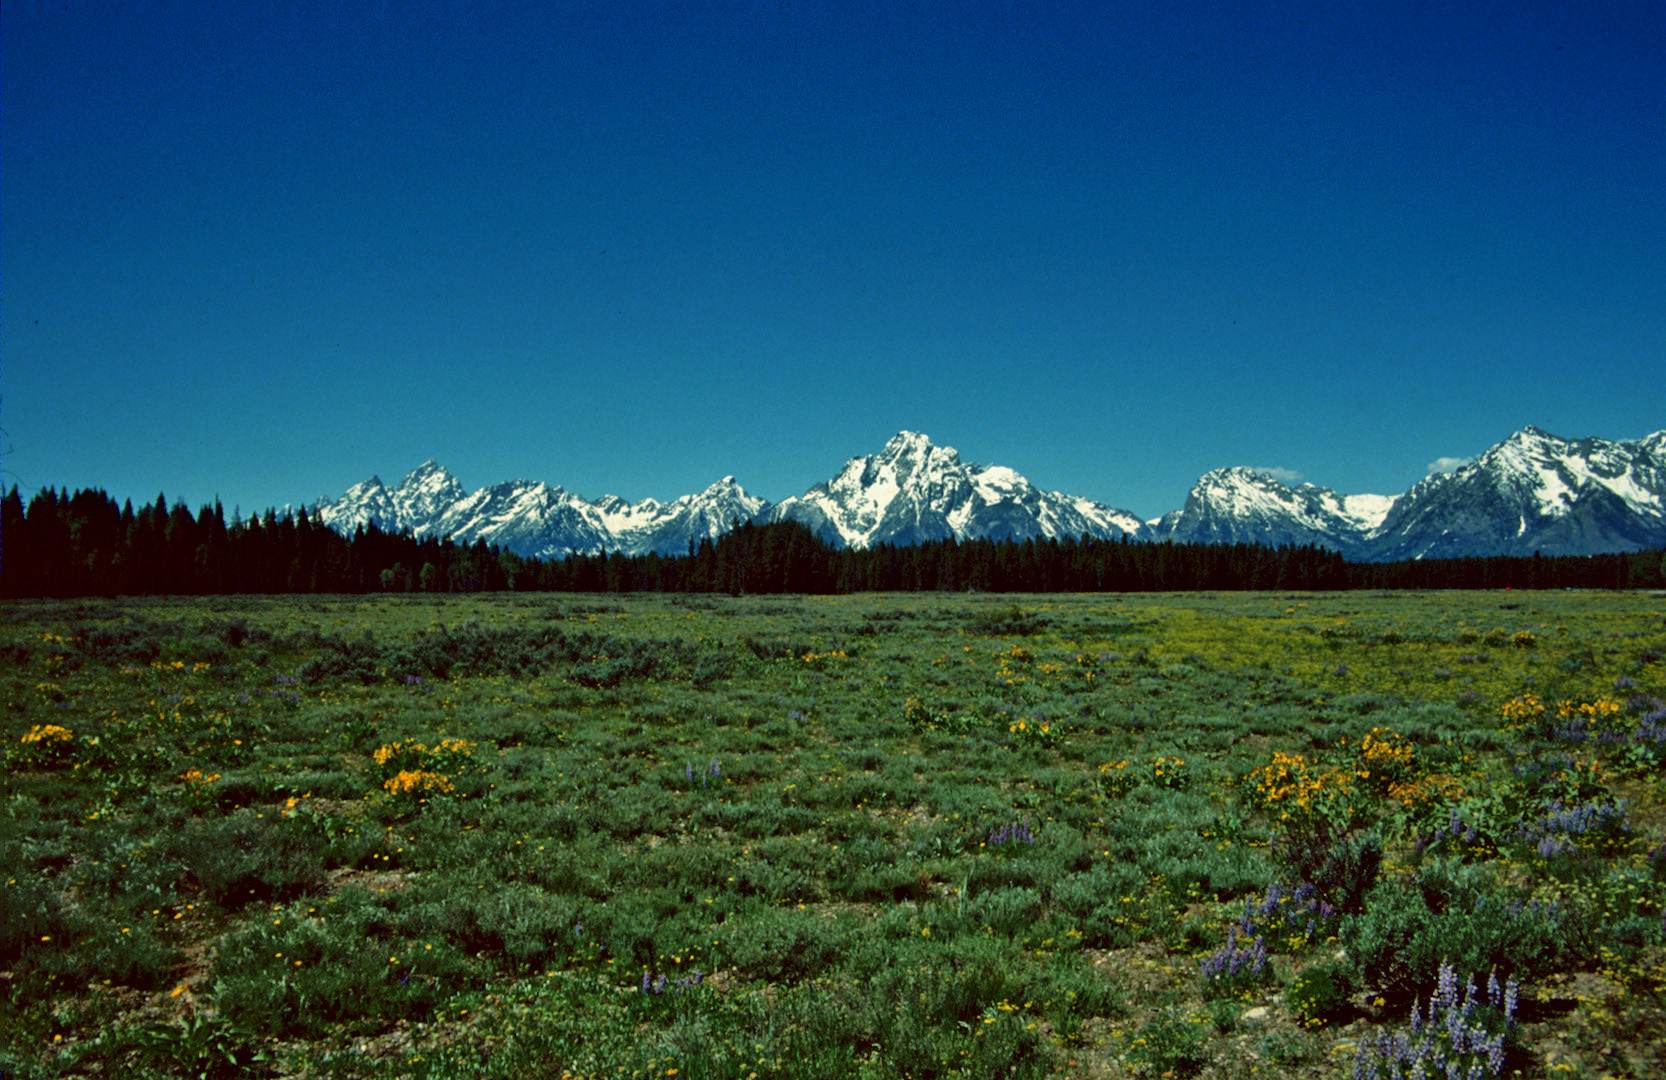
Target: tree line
{"x": 83, "y": 544}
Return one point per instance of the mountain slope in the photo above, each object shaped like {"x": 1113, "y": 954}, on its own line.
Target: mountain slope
{"x": 536, "y": 519}
{"x": 1531, "y": 492}
{"x": 1535, "y": 492}
{"x": 1244, "y": 506}
{"x": 913, "y": 491}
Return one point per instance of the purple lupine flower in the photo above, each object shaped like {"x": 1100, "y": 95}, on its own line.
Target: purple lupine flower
{"x": 1450, "y": 1041}
{"x": 1233, "y": 958}
{"x": 1446, "y": 986}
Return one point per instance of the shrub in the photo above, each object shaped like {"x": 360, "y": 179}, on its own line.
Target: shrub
{"x": 1008, "y": 621}
{"x": 1171, "y": 1043}
{"x": 785, "y": 945}
{"x": 1322, "y": 993}
{"x": 242, "y": 858}
{"x": 198, "y": 1045}
{"x": 303, "y": 972}
{"x": 1006, "y": 911}
{"x": 1399, "y": 942}
{"x": 1311, "y": 804}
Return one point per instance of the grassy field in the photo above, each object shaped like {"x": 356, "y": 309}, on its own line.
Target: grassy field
{"x": 877, "y": 836}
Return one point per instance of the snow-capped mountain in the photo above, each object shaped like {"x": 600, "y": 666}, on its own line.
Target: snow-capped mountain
{"x": 418, "y": 499}
{"x": 1246, "y": 506}
{"x": 1535, "y": 492}
{"x": 536, "y": 519}
{"x": 1532, "y": 492}
{"x": 913, "y": 491}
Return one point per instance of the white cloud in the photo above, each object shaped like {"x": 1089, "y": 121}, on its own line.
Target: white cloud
{"x": 1448, "y": 464}
{"x": 1283, "y": 476}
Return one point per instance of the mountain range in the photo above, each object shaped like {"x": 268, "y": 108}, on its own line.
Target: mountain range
{"x": 1533, "y": 492}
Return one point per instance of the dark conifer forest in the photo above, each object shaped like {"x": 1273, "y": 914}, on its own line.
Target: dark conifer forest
{"x": 83, "y": 544}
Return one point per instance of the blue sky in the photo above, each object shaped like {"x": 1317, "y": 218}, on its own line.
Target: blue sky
{"x": 261, "y": 251}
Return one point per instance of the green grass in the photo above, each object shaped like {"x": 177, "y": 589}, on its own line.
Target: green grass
{"x": 896, "y": 836}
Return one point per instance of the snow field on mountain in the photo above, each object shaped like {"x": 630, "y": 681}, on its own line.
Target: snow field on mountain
{"x": 1532, "y": 492}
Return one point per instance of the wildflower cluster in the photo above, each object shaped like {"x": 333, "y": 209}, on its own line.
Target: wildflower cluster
{"x": 1592, "y": 826}
{"x": 1383, "y": 759}
{"x": 651, "y": 985}
{"x": 1291, "y": 918}
{"x": 1430, "y": 788}
{"x": 414, "y": 769}
{"x": 197, "y": 783}
{"x": 1117, "y": 778}
{"x": 47, "y": 734}
{"x": 45, "y": 745}
{"x": 1006, "y": 838}
{"x": 1598, "y": 711}
{"x": 180, "y": 666}
{"x": 1522, "y": 712}
{"x": 284, "y": 692}
{"x": 452, "y": 753}
{"x": 1035, "y": 728}
{"x": 1234, "y": 966}
{"x": 818, "y": 661}
{"x": 1305, "y": 796}
{"x": 714, "y": 771}
{"x": 1573, "y": 720}
{"x": 1014, "y": 666}
{"x": 1460, "y": 1036}
{"x": 1170, "y": 772}
{"x": 414, "y": 782}
{"x": 918, "y": 713}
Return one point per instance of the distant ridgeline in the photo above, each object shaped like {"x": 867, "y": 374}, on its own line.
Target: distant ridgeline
{"x": 85, "y": 545}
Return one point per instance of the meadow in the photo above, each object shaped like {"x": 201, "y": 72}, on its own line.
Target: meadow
{"x": 880, "y": 835}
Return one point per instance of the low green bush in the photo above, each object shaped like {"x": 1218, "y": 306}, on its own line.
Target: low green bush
{"x": 246, "y": 857}
{"x": 1398, "y": 943}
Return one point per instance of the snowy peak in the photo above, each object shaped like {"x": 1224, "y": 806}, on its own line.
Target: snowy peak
{"x": 1536, "y": 492}
{"x": 1241, "y": 506}
{"x": 536, "y": 519}
{"x": 1532, "y": 492}
{"x": 914, "y": 491}
{"x": 427, "y": 491}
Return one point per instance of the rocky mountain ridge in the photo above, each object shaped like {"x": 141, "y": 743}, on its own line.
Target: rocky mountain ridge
{"x": 1532, "y": 492}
